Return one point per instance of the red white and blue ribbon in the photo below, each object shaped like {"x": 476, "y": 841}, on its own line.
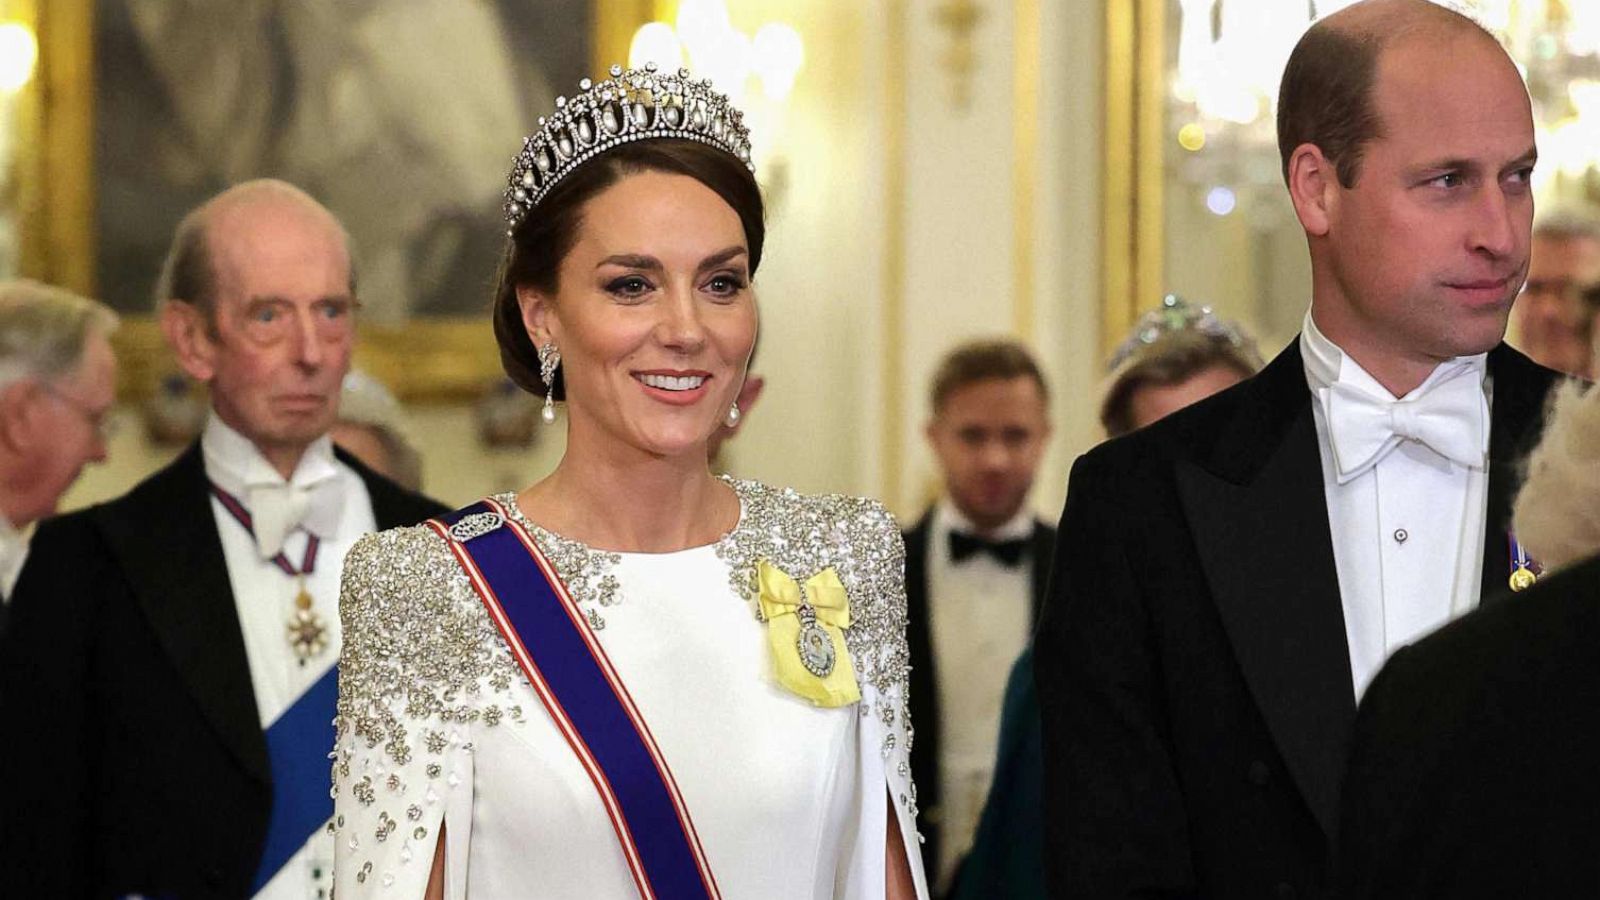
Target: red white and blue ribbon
{"x": 564, "y": 662}
{"x": 242, "y": 516}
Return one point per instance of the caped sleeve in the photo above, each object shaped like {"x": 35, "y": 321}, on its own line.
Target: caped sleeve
{"x": 877, "y": 643}
{"x": 410, "y": 668}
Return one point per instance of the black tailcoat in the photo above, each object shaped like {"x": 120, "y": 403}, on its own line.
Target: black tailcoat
{"x": 924, "y": 700}
{"x": 1192, "y": 666}
{"x": 134, "y": 751}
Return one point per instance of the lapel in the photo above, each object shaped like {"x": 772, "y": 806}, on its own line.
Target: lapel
{"x": 1255, "y": 505}
{"x": 165, "y": 540}
{"x": 180, "y": 578}
{"x": 1041, "y": 552}
{"x": 1515, "y": 419}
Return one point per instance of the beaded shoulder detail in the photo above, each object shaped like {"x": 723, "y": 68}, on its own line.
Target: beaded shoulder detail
{"x": 418, "y": 641}
{"x": 804, "y": 534}
{"x": 585, "y": 571}
{"x": 799, "y": 533}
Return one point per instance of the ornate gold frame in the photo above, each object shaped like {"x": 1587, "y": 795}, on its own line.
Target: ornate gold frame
{"x": 55, "y": 194}
{"x": 1132, "y": 223}
{"x": 438, "y": 360}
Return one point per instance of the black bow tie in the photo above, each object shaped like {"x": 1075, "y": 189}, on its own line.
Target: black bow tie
{"x": 1007, "y": 553}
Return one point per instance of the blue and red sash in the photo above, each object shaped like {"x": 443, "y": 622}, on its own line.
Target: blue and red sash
{"x": 569, "y": 670}
{"x": 297, "y": 748}
{"x": 297, "y": 741}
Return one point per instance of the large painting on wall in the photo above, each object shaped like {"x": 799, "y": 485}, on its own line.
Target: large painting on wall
{"x": 400, "y": 115}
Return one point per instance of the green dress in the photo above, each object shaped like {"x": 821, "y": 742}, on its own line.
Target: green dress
{"x": 1007, "y": 856}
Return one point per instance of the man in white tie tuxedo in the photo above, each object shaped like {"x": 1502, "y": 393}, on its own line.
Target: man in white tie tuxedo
{"x": 172, "y": 652}
{"x": 976, "y": 564}
{"x": 1228, "y": 580}
{"x": 58, "y": 383}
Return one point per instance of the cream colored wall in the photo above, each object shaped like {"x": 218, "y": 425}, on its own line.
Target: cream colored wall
{"x": 846, "y": 354}
{"x": 1258, "y": 274}
{"x": 831, "y": 313}
{"x": 964, "y": 205}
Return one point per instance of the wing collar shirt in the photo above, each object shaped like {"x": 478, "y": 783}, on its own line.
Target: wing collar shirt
{"x": 323, "y": 497}
{"x": 1406, "y": 481}
{"x": 13, "y": 553}
{"x": 980, "y": 611}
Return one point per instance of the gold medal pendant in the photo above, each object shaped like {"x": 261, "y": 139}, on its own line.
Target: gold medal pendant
{"x": 307, "y": 635}
{"x": 1522, "y": 578}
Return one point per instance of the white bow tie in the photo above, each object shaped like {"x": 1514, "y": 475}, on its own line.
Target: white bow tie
{"x": 1451, "y": 417}
{"x": 276, "y": 510}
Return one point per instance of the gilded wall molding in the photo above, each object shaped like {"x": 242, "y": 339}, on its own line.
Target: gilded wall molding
{"x": 1024, "y": 161}
{"x": 55, "y": 161}
{"x": 1132, "y": 223}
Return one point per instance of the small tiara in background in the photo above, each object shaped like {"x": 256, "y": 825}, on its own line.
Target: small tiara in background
{"x": 1177, "y": 316}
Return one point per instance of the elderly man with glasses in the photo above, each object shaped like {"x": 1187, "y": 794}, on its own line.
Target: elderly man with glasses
{"x": 57, "y": 386}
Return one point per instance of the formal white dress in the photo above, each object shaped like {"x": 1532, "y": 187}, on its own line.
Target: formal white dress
{"x": 438, "y": 727}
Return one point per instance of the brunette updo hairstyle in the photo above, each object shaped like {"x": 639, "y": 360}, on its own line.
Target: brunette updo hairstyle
{"x": 541, "y": 241}
{"x": 1172, "y": 359}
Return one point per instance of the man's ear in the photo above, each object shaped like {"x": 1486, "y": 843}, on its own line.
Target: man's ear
{"x": 189, "y": 335}
{"x": 538, "y": 316}
{"x": 18, "y": 406}
{"x": 1314, "y": 188}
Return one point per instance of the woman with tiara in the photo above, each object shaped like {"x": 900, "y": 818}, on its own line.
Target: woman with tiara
{"x": 632, "y": 678}
{"x": 1177, "y": 354}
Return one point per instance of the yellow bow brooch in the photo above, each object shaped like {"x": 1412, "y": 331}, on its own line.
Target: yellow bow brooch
{"x": 805, "y": 629}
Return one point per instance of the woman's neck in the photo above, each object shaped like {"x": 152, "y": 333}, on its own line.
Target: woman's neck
{"x": 643, "y": 504}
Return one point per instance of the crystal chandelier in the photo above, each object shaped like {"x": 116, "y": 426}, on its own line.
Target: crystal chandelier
{"x": 1231, "y": 55}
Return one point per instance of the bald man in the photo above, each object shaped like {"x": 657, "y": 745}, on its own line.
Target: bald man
{"x": 169, "y": 671}
{"x": 1228, "y": 580}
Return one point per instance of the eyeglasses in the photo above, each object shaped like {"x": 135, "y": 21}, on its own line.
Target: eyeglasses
{"x": 98, "y": 419}
{"x": 1565, "y": 288}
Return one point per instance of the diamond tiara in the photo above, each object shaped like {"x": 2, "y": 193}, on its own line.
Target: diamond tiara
{"x": 1175, "y": 316}
{"x": 631, "y": 105}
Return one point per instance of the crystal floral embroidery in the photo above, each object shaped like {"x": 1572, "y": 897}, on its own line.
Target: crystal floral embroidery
{"x": 424, "y": 665}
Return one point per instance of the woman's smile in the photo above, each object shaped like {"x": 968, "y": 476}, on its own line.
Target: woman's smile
{"x": 675, "y": 387}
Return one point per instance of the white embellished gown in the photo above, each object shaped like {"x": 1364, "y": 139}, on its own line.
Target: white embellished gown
{"x": 438, "y": 727}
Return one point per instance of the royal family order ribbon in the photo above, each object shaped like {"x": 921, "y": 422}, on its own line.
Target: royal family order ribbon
{"x": 805, "y": 630}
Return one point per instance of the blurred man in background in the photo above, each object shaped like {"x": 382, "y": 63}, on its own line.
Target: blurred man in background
{"x": 1176, "y": 355}
{"x": 58, "y": 380}
{"x": 1553, "y": 320}
{"x": 975, "y": 573}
